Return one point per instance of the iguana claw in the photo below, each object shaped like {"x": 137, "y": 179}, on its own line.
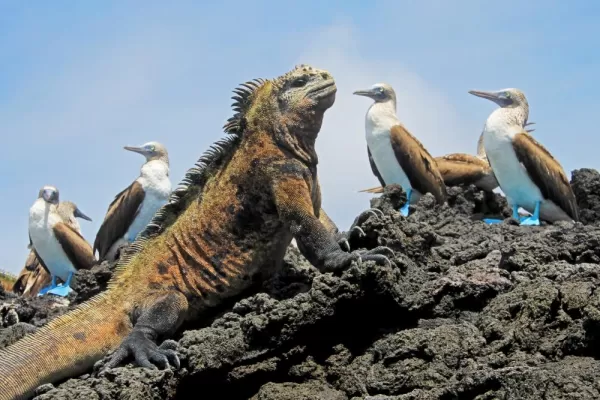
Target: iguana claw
{"x": 145, "y": 352}
{"x": 377, "y": 255}
{"x": 355, "y": 229}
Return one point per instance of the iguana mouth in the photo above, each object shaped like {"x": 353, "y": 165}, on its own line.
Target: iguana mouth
{"x": 325, "y": 91}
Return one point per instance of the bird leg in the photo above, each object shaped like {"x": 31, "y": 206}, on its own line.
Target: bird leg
{"x": 52, "y": 285}
{"x": 64, "y": 289}
{"x": 535, "y": 218}
{"x": 404, "y": 208}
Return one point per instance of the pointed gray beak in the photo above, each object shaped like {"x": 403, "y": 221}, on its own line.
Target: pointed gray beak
{"x": 79, "y": 214}
{"x": 367, "y": 93}
{"x": 493, "y": 96}
{"x": 139, "y": 150}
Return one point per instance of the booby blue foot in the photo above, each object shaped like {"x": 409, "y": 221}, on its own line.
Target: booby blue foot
{"x": 404, "y": 208}
{"x": 516, "y": 214}
{"x": 61, "y": 290}
{"x": 492, "y": 221}
{"x": 51, "y": 286}
{"x": 534, "y": 220}
{"x": 64, "y": 289}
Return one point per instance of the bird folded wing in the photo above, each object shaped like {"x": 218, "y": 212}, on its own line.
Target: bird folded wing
{"x": 546, "y": 172}
{"x": 417, "y": 163}
{"x": 461, "y": 168}
{"x": 74, "y": 245}
{"x": 121, "y": 213}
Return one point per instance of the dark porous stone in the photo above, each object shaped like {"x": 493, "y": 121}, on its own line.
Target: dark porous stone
{"x": 465, "y": 311}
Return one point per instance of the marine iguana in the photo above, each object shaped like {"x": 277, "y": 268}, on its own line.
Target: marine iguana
{"x": 231, "y": 220}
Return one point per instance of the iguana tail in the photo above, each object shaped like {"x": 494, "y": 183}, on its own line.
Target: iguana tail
{"x": 378, "y": 189}
{"x": 67, "y": 346}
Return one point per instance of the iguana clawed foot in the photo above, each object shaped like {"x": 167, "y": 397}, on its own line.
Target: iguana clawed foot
{"x": 145, "y": 352}
{"x": 355, "y": 229}
{"x": 379, "y": 254}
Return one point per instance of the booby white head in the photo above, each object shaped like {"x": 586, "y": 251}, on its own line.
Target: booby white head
{"x": 49, "y": 194}
{"x": 151, "y": 151}
{"x": 133, "y": 208}
{"x": 526, "y": 172}
{"x": 396, "y": 156}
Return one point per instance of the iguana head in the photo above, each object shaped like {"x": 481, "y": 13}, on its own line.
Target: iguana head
{"x": 295, "y": 101}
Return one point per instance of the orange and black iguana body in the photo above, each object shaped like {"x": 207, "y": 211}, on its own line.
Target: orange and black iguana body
{"x": 231, "y": 220}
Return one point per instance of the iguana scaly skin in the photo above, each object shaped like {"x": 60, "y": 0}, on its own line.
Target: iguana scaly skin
{"x": 230, "y": 221}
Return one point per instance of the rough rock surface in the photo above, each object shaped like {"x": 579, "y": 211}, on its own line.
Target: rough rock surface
{"x": 466, "y": 311}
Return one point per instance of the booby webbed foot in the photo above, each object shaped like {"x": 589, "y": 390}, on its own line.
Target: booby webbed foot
{"x": 61, "y": 290}
{"x": 405, "y": 208}
{"x": 64, "y": 289}
{"x": 46, "y": 289}
{"x": 516, "y": 215}
{"x": 492, "y": 221}
{"x": 533, "y": 220}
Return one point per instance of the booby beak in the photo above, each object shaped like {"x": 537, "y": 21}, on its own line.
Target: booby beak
{"x": 493, "y": 96}
{"x": 367, "y": 93}
{"x": 79, "y": 214}
{"x": 139, "y": 150}
{"x": 497, "y": 97}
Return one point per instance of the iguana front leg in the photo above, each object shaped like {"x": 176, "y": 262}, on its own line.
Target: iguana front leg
{"x": 315, "y": 241}
{"x": 158, "y": 316}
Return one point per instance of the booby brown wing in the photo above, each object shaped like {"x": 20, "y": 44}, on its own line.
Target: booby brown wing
{"x": 420, "y": 168}
{"x": 459, "y": 168}
{"x": 546, "y": 172}
{"x": 374, "y": 168}
{"x": 77, "y": 249}
{"x": 121, "y": 213}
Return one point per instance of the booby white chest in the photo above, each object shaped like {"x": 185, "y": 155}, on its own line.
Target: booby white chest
{"x": 510, "y": 173}
{"x": 155, "y": 181}
{"x": 41, "y": 222}
{"x": 377, "y": 127}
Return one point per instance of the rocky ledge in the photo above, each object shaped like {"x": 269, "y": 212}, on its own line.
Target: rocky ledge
{"x": 466, "y": 311}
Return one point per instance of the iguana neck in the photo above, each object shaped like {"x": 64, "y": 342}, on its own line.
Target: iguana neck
{"x": 300, "y": 144}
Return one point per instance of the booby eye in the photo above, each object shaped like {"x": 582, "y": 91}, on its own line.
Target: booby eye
{"x": 299, "y": 82}
{"x": 507, "y": 95}
{"x": 380, "y": 89}
{"x": 150, "y": 148}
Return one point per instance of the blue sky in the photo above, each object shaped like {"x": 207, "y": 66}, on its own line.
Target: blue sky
{"x": 78, "y": 81}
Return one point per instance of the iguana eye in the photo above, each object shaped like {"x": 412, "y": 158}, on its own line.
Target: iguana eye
{"x": 299, "y": 82}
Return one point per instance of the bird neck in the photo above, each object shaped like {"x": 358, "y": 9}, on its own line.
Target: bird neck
{"x": 507, "y": 118}
{"x": 157, "y": 168}
{"x": 382, "y": 114}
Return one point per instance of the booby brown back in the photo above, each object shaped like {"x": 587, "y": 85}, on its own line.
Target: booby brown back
{"x": 231, "y": 220}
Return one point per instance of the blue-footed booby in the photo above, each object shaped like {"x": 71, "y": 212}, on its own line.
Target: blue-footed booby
{"x": 396, "y": 156}
{"x": 33, "y": 277}
{"x": 60, "y": 249}
{"x": 133, "y": 208}
{"x": 526, "y": 172}
{"x": 464, "y": 169}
